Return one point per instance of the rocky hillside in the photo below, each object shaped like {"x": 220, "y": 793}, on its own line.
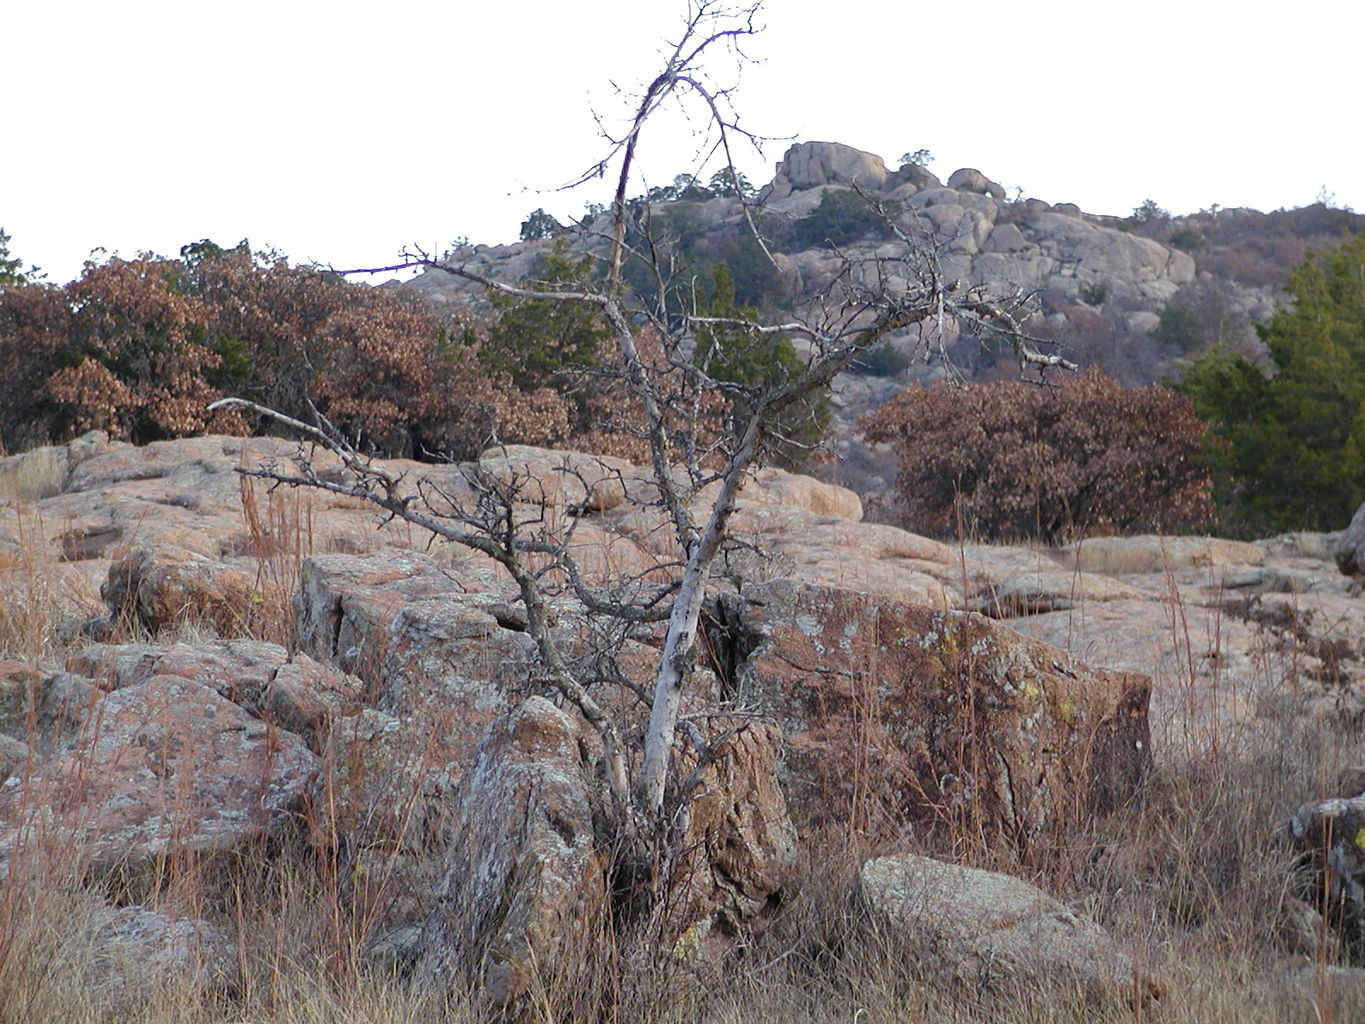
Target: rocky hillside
{"x": 1099, "y": 283}
{"x": 201, "y": 666}
{"x": 1133, "y": 296}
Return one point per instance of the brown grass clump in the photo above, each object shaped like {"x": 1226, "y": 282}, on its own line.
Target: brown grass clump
{"x": 30, "y": 611}
{"x": 35, "y": 475}
{"x": 281, "y": 534}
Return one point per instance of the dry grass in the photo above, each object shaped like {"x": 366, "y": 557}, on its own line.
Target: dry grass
{"x": 281, "y": 534}
{"x": 29, "y": 609}
{"x": 32, "y": 476}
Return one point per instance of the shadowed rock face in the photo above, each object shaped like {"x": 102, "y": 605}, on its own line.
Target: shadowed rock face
{"x": 741, "y": 845}
{"x": 1329, "y": 836}
{"x": 896, "y": 714}
{"x": 1350, "y": 549}
{"x": 524, "y": 881}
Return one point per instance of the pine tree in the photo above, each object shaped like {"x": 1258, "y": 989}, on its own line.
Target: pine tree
{"x": 734, "y": 353}
{"x": 1292, "y": 443}
{"x": 12, "y": 270}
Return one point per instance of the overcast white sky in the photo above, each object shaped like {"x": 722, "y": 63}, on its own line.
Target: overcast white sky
{"x": 338, "y": 132}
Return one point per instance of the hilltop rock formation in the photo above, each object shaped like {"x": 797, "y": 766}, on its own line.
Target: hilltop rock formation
{"x": 969, "y": 179}
{"x": 1074, "y": 259}
{"x": 813, "y": 164}
{"x": 1135, "y": 296}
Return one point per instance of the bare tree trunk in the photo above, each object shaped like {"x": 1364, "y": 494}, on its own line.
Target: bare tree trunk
{"x": 681, "y": 637}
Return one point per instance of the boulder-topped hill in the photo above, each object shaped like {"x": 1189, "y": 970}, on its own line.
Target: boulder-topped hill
{"x": 1101, "y": 283}
{"x": 1136, "y": 297}
{"x": 212, "y": 663}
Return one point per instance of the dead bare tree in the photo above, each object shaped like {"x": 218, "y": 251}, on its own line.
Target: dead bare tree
{"x": 872, "y": 297}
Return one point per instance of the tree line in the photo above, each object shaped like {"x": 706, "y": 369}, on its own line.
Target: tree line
{"x": 142, "y": 347}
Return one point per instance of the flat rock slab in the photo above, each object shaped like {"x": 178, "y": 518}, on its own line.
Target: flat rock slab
{"x": 290, "y": 691}
{"x": 1031, "y": 593}
{"x": 1118, "y": 556}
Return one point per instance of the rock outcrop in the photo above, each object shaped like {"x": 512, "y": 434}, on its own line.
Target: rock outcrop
{"x": 897, "y": 714}
{"x": 969, "y": 179}
{"x": 739, "y": 848}
{"x": 524, "y": 881}
{"x": 163, "y": 772}
{"x": 1329, "y": 836}
{"x": 1147, "y": 555}
{"x": 287, "y": 691}
{"x": 410, "y": 744}
{"x": 1033, "y": 593}
{"x": 136, "y": 952}
{"x": 161, "y": 587}
{"x": 808, "y": 165}
{"x": 1350, "y": 549}
{"x": 569, "y": 480}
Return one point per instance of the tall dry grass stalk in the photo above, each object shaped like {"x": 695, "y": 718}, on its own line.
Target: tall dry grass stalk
{"x": 29, "y": 609}
{"x": 281, "y": 534}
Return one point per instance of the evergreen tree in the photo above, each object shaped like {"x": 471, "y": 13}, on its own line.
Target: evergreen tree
{"x": 12, "y": 271}
{"x": 538, "y": 343}
{"x": 732, "y": 352}
{"x": 841, "y": 218}
{"x": 1292, "y": 444}
{"x": 729, "y": 182}
{"x": 539, "y": 224}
